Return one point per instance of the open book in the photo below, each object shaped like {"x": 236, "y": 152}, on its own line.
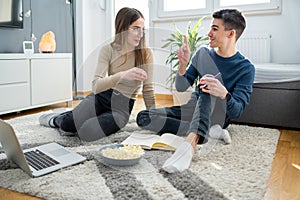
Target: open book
{"x": 166, "y": 141}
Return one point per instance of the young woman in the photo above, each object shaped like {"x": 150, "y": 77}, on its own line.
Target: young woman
{"x": 124, "y": 66}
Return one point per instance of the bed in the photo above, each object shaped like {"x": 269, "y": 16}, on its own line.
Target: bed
{"x": 275, "y": 97}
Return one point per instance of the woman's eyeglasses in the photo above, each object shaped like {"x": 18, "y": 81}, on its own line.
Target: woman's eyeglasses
{"x": 137, "y": 30}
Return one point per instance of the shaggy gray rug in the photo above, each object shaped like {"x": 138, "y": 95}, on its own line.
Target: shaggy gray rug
{"x": 236, "y": 171}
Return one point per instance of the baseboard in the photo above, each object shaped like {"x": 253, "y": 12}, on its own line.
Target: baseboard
{"x": 140, "y": 96}
{"x": 159, "y": 96}
{"x": 80, "y": 95}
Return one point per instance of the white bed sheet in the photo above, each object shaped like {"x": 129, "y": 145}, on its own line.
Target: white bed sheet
{"x": 275, "y": 73}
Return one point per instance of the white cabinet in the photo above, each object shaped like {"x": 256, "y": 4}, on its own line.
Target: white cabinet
{"x": 14, "y": 84}
{"x": 49, "y": 78}
{"x": 29, "y": 81}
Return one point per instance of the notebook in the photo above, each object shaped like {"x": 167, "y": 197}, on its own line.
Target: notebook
{"x": 36, "y": 161}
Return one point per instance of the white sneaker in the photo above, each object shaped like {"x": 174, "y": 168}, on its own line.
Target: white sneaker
{"x": 217, "y": 132}
{"x": 47, "y": 119}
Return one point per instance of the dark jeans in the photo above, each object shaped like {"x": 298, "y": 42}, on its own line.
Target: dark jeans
{"x": 194, "y": 116}
{"x": 97, "y": 115}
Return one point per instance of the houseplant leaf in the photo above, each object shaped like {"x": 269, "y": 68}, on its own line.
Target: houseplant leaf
{"x": 176, "y": 40}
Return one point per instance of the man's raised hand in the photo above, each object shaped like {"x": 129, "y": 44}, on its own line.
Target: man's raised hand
{"x": 183, "y": 54}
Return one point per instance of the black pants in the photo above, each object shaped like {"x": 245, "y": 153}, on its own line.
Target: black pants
{"x": 197, "y": 115}
{"x": 97, "y": 115}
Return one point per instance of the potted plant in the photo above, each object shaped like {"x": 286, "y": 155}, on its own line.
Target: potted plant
{"x": 175, "y": 41}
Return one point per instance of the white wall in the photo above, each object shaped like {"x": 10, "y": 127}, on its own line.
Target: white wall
{"x": 92, "y": 18}
{"x": 141, "y": 5}
{"x": 284, "y": 29}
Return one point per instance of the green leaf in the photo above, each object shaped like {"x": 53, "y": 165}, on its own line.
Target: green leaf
{"x": 196, "y": 26}
{"x": 176, "y": 40}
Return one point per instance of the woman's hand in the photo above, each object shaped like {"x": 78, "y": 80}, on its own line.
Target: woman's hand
{"x": 183, "y": 54}
{"x": 134, "y": 74}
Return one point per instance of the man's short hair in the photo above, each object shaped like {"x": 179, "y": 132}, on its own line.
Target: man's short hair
{"x": 232, "y": 19}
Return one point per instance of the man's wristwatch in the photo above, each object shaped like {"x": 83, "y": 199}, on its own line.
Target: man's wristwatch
{"x": 228, "y": 96}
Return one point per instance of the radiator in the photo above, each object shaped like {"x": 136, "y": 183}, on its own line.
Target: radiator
{"x": 255, "y": 47}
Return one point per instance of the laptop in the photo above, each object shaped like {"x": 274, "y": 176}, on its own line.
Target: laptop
{"x": 36, "y": 161}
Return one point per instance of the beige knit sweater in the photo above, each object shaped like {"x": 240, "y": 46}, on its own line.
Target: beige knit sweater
{"x": 107, "y": 76}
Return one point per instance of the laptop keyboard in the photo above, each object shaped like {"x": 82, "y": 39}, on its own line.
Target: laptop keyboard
{"x": 38, "y": 160}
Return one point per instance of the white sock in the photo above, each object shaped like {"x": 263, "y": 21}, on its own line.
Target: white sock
{"x": 217, "y": 132}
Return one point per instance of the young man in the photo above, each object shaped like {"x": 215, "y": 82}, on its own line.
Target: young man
{"x": 233, "y": 89}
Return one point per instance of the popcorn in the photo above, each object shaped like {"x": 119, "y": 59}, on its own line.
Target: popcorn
{"x": 125, "y": 152}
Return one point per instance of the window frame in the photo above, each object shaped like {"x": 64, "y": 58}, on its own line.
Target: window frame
{"x": 274, "y": 7}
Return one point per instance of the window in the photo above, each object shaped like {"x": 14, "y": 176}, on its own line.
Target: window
{"x": 173, "y": 5}
{"x": 173, "y": 8}
{"x": 170, "y": 8}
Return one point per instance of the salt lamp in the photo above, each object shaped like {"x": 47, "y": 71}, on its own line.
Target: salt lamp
{"x": 47, "y": 43}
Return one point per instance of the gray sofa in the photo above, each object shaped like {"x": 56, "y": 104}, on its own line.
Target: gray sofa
{"x": 273, "y": 104}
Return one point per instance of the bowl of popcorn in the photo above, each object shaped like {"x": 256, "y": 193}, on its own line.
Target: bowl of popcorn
{"x": 121, "y": 155}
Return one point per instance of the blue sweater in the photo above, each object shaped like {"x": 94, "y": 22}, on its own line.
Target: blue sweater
{"x": 237, "y": 77}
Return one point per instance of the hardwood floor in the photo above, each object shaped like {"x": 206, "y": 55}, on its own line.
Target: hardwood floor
{"x": 284, "y": 181}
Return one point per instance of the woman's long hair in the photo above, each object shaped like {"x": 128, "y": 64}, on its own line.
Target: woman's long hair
{"x": 125, "y": 17}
